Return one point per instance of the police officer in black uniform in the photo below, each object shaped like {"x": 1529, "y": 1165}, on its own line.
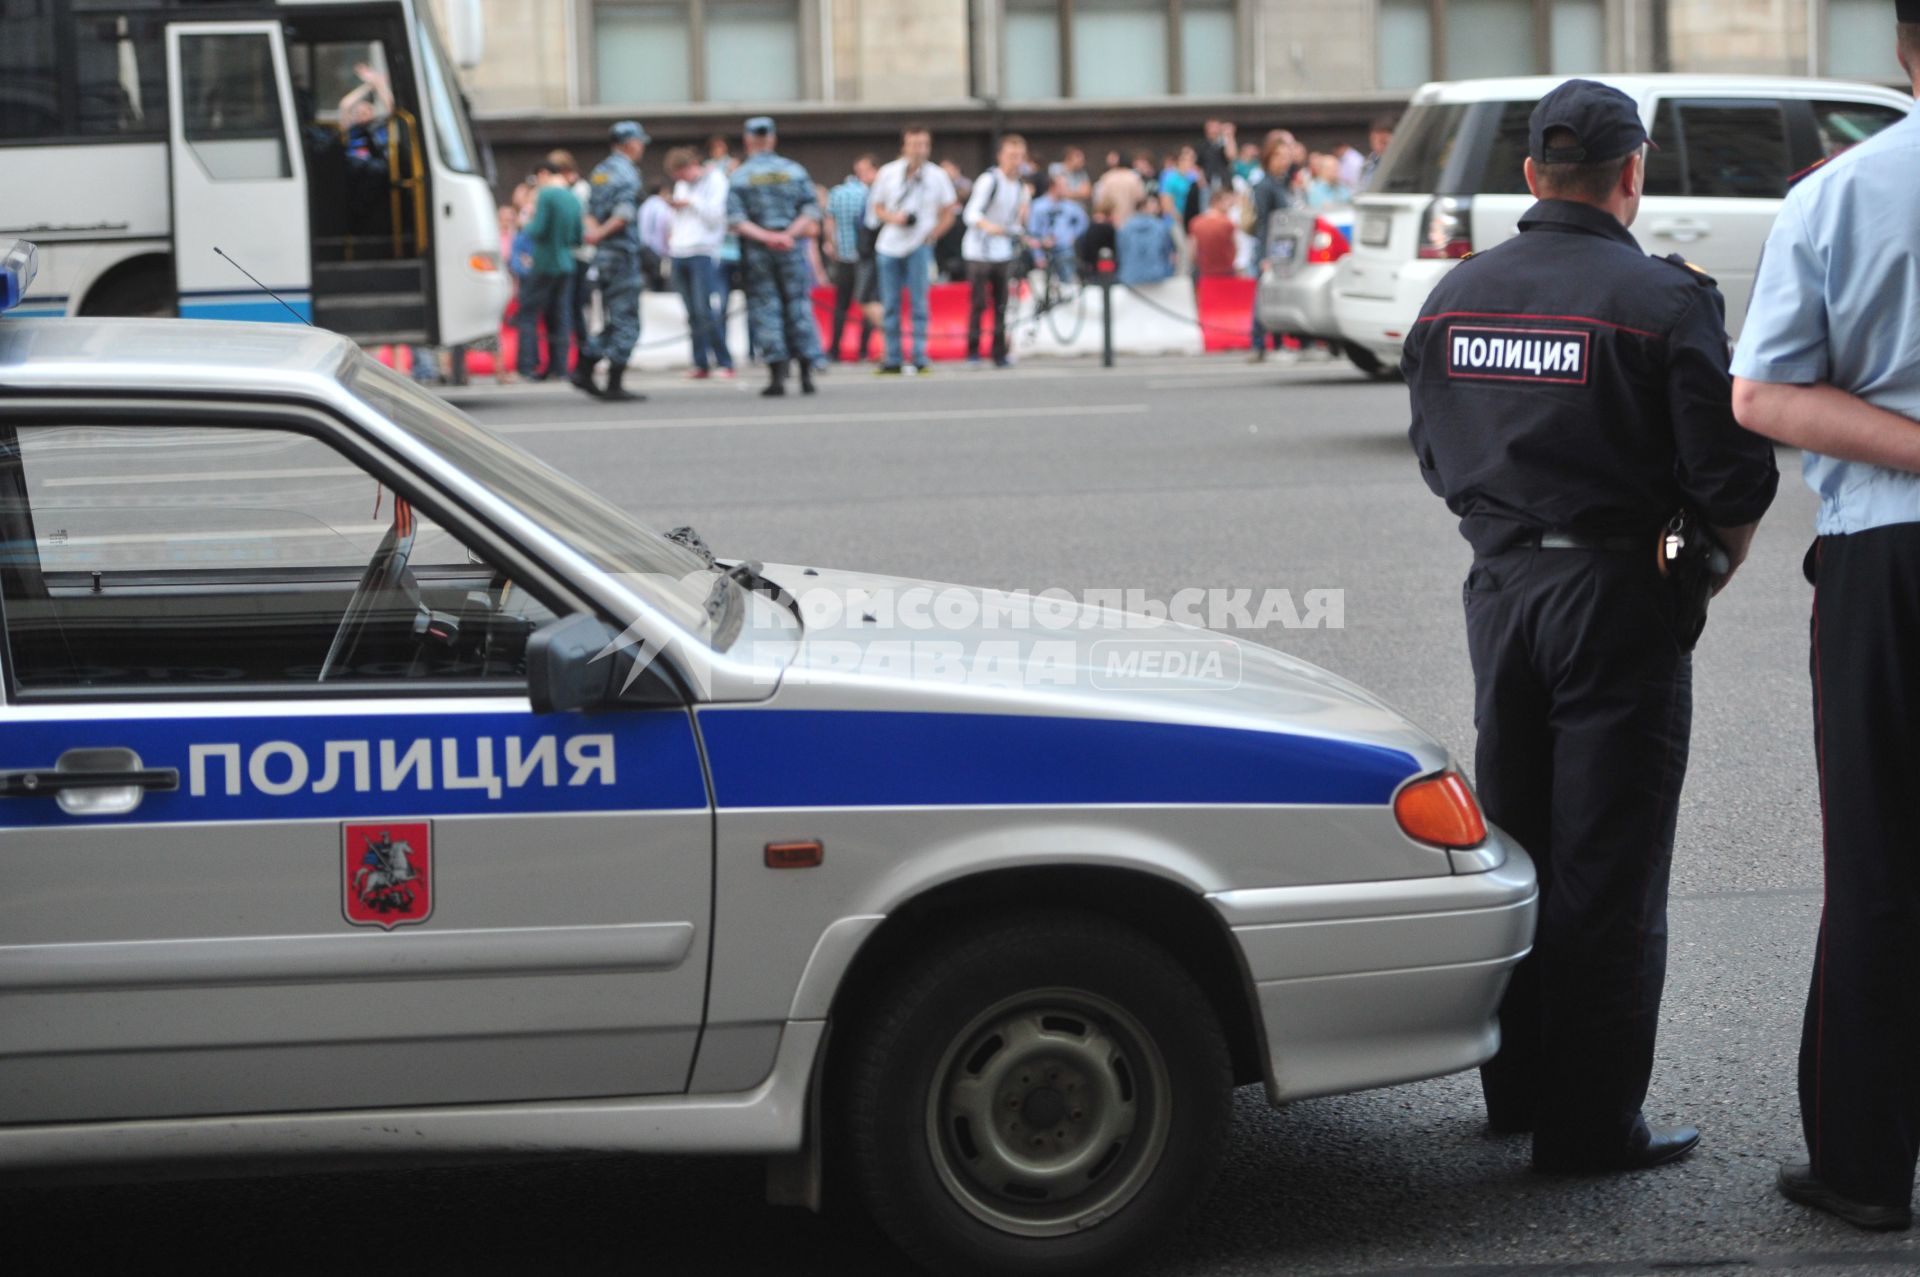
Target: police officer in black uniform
{"x": 1570, "y": 396}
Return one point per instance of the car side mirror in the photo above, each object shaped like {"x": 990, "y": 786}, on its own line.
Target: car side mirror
{"x": 565, "y": 670}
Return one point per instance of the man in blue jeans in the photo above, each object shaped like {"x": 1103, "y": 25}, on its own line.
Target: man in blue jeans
{"x": 913, "y": 204}
{"x": 699, "y": 224}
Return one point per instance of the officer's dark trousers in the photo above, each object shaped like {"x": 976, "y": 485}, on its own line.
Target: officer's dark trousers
{"x": 1860, "y": 1046}
{"x": 1583, "y": 702}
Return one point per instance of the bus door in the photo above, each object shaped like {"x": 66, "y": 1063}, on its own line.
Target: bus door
{"x": 239, "y": 180}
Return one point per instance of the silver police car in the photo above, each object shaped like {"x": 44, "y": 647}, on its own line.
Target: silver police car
{"x": 369, "y": 790}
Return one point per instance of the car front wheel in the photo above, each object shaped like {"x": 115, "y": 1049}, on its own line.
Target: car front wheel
{"x": 1042, "y": 1095}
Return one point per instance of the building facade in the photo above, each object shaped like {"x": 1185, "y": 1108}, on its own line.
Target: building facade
{"x": 844, "y": 74}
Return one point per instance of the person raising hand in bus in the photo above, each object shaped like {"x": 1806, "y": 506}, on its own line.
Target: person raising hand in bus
{"x": 362, "y": 124}
{"x": 363, "y": 127}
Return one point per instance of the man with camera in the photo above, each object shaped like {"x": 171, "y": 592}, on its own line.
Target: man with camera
{"x": 1572, "y": 404}
{"x": 995, "y": 248}
{"x": 913, "y": 204}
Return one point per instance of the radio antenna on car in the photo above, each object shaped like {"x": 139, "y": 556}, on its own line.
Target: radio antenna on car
{"x": 262, "y": 287}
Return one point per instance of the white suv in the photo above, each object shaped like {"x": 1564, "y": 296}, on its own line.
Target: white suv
{"x": 1452, "y": 183}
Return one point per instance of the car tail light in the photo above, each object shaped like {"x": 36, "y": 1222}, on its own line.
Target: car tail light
{"x": 1440, "y": 810}
{"x": 1448, "y": 235}
{"x": 1327, "y": 244}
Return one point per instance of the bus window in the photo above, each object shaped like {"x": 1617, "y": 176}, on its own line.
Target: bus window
{"x": 450, "y": 127}
{"x": 122, "y": 63}
{"x": 29, "y": 70}
{"x": 231, "y": 98}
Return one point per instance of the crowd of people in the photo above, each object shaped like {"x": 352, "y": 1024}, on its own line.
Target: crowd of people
{"x": 880, "y": 237}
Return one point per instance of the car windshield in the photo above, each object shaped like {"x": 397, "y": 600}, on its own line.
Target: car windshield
{"x": 672, "y": 577}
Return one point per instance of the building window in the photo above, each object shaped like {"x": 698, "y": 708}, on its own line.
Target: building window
{"x": 675, "y": 51}
{"x": 1406, "y": 43}
{"x": 1033, "y": 50}
{"x": 1120, "y": 48}
{"x": 1489, "y": 37}
{"x": 1859, "y": 41}
{"x": 1209, "y": 35}
{"x": 1421, "y": 40}
{"x": 1577, "y": 37}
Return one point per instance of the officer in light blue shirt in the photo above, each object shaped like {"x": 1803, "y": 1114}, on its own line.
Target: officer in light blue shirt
{"x": 1829, "y": 362}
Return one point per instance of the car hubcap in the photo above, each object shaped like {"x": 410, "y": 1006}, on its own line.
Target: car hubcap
{"x": 1048, "y": 1112}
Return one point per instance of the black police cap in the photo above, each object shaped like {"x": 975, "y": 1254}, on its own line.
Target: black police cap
{"x": 1604, "y": 121}
{"x": 1907, "y": 10}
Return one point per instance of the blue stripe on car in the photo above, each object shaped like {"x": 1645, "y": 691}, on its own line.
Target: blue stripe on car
{"x": 837, "y": 758}
{"x": 759, "y": 758}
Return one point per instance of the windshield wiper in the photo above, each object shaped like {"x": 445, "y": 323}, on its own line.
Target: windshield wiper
{"x": 685, "y": 535}
{"x": 746, "y": 574}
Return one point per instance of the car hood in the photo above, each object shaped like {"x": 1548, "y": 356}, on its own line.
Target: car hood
{"x": 888, "y": 640}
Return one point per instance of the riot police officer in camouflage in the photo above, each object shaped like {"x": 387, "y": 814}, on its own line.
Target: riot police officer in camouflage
{"x": 772, "y": 207}
{"x": 613, "y": 228}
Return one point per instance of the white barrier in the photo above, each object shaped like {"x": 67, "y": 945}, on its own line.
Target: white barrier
{"x": 1151, "y": 319}
{"x": 1163, "y": 319}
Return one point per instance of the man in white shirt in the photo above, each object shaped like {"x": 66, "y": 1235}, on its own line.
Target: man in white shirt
{"x": 699, "y": 203}
{"x": 656, "y": 227}
{"x": 913, "y": 204}
{"x": 996, "y": 210}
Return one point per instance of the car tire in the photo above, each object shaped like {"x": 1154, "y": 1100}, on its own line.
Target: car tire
{"x": 1369, "y": 363}
{"x": 1103, "y": 1070}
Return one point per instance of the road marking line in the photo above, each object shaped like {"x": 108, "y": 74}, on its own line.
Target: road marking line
{"x": 907, "y": 417}
{"x": 1276, "y": 377}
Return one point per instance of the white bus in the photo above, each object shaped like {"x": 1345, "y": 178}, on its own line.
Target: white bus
{"x": 139, "y": 136}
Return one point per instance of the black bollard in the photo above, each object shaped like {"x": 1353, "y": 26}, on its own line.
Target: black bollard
{"x": 1105, "y": 272}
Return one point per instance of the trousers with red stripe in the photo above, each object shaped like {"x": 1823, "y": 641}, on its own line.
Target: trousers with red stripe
{"x": 1860, "y": 1044}
{"x": 1583, "y": 702}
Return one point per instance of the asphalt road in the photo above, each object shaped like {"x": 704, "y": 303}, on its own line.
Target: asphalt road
{"x": 1156, "y": 476}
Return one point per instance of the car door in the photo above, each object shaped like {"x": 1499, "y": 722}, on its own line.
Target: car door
{"x": 231, "y": 885}
{"x": 1714, "y": 185}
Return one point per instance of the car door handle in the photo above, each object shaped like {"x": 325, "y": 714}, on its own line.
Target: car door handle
{"x": 1683, "y": 229}
{"x": 91, "y": 781}
{"x": 50, "y": 782}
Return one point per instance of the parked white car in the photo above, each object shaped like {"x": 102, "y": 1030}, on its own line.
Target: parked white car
{"x": 1295, "y": 296}
{"x": 1452, "y": 182}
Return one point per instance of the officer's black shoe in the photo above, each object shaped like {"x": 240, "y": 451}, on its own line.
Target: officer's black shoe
{"x": 806, "y": 377}
{"x": 1798, "y": 1183}
{"x": 778, "y": 386}
{"x": 1659, "y": 1145}
{"x": 615, "y": 392}
{"x": 582, "y": 379}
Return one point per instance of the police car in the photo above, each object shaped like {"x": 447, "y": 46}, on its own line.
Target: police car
{"x": 369, "y": 790}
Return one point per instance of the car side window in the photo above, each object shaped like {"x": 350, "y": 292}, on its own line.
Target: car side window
{"x": 1666, "y": 164}
{"x": 185, "y": 557}
{"x": 1506, "y": 172}
{"x": 1726, "y": 148}
{"x": 1845, "y": 124}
